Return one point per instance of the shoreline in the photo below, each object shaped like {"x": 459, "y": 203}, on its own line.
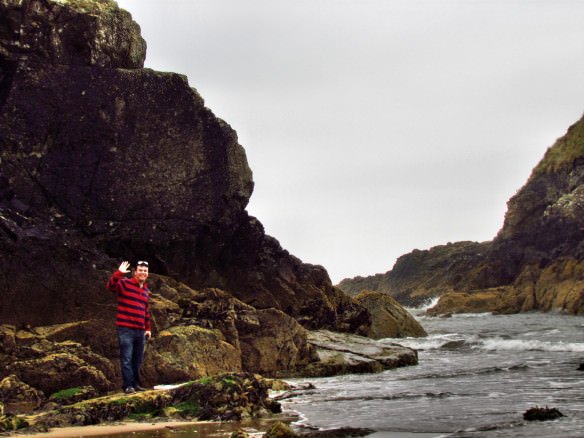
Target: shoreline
{"x": 110, "y": 429}
{"x": 205, "y": 427}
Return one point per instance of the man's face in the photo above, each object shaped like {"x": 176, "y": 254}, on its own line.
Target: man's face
{"x": 141, "y": 273}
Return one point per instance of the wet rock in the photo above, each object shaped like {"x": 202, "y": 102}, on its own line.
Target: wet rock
{"x": 9, "y": 423}
{"x": 389, "y": 319}
{"x": 231, "y": 396}
{"x": 18, "y": 397}
{"x": 542, "y": 414}
{"x": 52, "y": 366}
{"x": 280, "y": 430}
{"x": 341, "y": 353}
{"x": 182, "y": 353}
{"x": 73, "y": 395}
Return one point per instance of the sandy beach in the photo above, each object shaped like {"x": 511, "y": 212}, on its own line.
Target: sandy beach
{"x": 110, "y": 429}
{"x": 202, "y": 429}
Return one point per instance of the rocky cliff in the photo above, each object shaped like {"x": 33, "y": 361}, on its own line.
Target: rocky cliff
{"x": 536, "y": 262}
{"x": 102, "y": 160}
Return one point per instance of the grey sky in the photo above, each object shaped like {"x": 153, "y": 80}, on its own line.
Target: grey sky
{"x": 375, "y": 127}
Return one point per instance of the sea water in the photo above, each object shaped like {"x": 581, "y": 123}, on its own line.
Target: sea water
{"x": 477, "y": 375}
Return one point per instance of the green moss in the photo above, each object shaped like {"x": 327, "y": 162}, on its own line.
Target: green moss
{"x": 92, "y": 6}
{"x": 564, "y": 152}
{"x": 230, "y": 384}
{"x": 204, "y": 381}
{"x": 65, "y": 393}
{"x": 12, "y": 422}
{"x": 188, "y": 409}
{"x": 145, "y": 411}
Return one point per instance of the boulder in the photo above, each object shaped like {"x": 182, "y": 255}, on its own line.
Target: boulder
{"x": 18, "y": 397}
{"x": 542, "y": 414}
{"x": 343, "y": 353}
{"x": 389, "y": 318}
{"x": 49, "y": 366}
{"x": 277, "y": 344}
{"x": 184, "y": 353}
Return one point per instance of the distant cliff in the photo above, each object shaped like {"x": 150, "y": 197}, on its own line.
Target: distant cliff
{"x": 536, "y": 262}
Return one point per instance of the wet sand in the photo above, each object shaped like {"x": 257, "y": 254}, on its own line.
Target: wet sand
{"x": 189, "y": 429}
{"x": 109, "y": 429}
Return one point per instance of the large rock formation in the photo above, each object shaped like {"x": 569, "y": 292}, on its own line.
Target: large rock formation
{"x": 101, "y": 161}
{"x": 536, "y": 262}
{"x": 390, "y": 319}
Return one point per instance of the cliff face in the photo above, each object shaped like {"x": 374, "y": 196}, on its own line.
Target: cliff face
{"x": 536, "y": 262}
{"x": 102, "y": 160}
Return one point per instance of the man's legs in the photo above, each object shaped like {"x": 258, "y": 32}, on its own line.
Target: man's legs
{"x": 126, "y": 343}
{"x": 137, "y": 355}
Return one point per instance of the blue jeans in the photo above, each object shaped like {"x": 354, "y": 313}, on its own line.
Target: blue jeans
{"x": 131, "y": 341}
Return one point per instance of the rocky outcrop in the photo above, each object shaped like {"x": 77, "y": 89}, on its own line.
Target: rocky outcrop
{"x": 390, "y": 319}
{"x": 536, "y": 262}
{"x": 423, "y": 274}
{"x": 343, "y": 353}
{"x": 231, "y": 396}
{"x": 197, "y": 334}
{"x": 18, "y": 397}
{"x": 103, "y": 160}
{"x": 87, "y": 32}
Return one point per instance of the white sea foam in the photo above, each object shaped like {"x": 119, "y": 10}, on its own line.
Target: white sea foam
{"x": 428, "y": 304}
{"x": 432, "y": 342}
{"x": 500, "y": 344}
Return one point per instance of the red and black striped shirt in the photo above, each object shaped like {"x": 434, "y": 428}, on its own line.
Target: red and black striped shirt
{"x": 133, "y": 310}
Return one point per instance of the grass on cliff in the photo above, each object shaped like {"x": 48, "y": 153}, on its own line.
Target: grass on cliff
{"x": 564, "y": 152}
{"x": 91, "y": 6}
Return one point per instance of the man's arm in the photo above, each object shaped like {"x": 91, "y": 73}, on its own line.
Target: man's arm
{"x": 124, "y": 268}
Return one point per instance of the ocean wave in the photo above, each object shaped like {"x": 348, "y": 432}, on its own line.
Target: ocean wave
{"x": 363, "y": 397}
{"x": 434, "y": 342}
{"x": 428, "y": 304}
{"x": 500, "y": 344}
{"x": 463, "y": 372}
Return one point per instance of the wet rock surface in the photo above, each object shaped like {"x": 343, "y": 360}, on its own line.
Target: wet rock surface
{"x": 231, "y": 396}
{"x": 389, "y": 318}
{"x": 343, "y": 353}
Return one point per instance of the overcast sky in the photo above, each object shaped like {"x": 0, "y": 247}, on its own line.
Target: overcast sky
{"x": 375, "y": 127}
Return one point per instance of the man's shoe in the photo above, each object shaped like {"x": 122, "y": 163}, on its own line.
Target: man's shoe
{"x": 130, "y": 390}
{"x": 140, "y": 388}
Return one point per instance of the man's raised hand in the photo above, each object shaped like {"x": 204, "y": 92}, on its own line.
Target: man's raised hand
{"x": 124, "y": 267}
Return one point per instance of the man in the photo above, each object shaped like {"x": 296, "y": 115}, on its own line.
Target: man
{"x": 133, "y": 321}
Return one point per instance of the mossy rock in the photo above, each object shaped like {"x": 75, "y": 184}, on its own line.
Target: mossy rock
{"x": 280, "y": 430}
{"x": 12, "y": 422}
